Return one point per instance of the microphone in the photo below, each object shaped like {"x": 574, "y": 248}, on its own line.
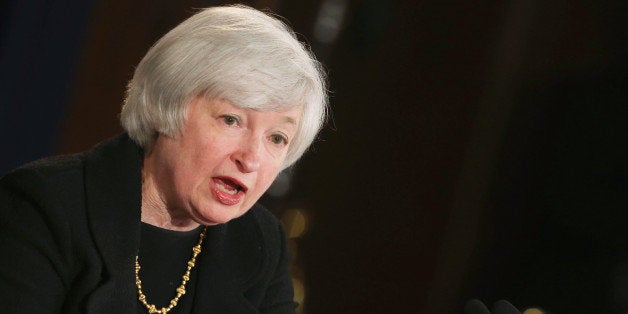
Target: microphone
{"x": 475, "y": 306}
{"x": 504, "y": 307}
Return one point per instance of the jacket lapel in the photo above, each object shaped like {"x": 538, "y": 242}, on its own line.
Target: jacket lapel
{"x": 113, "y": 197}
{"x": 220, "y": 278}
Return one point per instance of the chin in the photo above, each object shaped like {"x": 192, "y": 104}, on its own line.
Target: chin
{"x": 210, "y": 217}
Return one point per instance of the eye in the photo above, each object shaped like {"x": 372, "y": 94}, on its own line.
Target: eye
{"x": 279, "y": 139}
{"x": 230, "y": 119}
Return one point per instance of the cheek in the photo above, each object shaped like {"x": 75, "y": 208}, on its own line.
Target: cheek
{"x": 193, "y": 173}
{"x": 208, "y": 157}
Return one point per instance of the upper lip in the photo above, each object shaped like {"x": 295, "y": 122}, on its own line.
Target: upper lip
{"x": 243, "y": 186}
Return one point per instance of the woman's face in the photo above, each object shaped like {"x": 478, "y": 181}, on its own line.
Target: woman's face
{"x": 225, "y": 158}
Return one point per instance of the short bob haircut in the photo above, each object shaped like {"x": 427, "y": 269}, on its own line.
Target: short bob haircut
{"x": 234, "y": 53}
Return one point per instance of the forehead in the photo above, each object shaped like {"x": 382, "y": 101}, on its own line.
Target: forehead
{"x": 290, "y": 115}
{"x": 286, "y": 117}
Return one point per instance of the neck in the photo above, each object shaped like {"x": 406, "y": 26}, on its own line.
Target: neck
{"x": 155, "y": 209}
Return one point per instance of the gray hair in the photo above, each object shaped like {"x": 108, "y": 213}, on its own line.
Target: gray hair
{"x": 235, "y": 53}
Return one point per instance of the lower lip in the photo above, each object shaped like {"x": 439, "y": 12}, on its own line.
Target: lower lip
{"x": 224, "y": 197}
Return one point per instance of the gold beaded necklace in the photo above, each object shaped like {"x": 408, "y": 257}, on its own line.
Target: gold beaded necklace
{"x": 180, "y": 290}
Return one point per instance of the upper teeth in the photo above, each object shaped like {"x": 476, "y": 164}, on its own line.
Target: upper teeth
{"x": 225, "y": 189}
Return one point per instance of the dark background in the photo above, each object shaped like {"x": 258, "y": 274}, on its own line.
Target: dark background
{"x": 475, "y": 148}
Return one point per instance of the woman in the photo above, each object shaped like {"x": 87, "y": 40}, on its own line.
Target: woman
{"x": 163, "y": 218}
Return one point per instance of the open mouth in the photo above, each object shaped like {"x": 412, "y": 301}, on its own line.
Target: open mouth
{"x": 227, "y": 191}
{"x": 228, "y": 186}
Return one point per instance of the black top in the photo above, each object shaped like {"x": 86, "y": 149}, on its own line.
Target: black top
{"x": 163, "y": 260}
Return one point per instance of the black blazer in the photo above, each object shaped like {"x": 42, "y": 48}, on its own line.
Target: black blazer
{"x": 70, "y": 230}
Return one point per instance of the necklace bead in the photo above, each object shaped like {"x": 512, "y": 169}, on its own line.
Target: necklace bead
{"x": 151, "y": 308}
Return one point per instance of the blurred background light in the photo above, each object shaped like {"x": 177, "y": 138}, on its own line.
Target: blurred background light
{"x": 295, "y": 222}
{"x": 329, "y": 20}
{"x": 299, "y": 293}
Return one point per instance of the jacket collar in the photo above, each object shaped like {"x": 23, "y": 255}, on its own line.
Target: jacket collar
{"x": 113, "y": 200}
{"x": 232, "y": 261}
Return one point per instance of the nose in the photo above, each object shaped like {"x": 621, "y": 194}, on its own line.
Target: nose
{"x": 248, "y": 156}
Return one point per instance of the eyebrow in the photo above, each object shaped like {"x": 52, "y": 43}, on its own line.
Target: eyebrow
{"x": 290, "y": 120}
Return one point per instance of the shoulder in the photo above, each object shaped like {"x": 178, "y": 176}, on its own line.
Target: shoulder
{"x": 258, "y": 229}
{"x": 58, "y": 176}
{"x": 43, "y": 180}
{"x": 40, "y": 203}
{"x": 263, "y": 216}
{"x": 253, "y": 244}
{"x": 58, "y": 184}
{"x": 262, "y": 222}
